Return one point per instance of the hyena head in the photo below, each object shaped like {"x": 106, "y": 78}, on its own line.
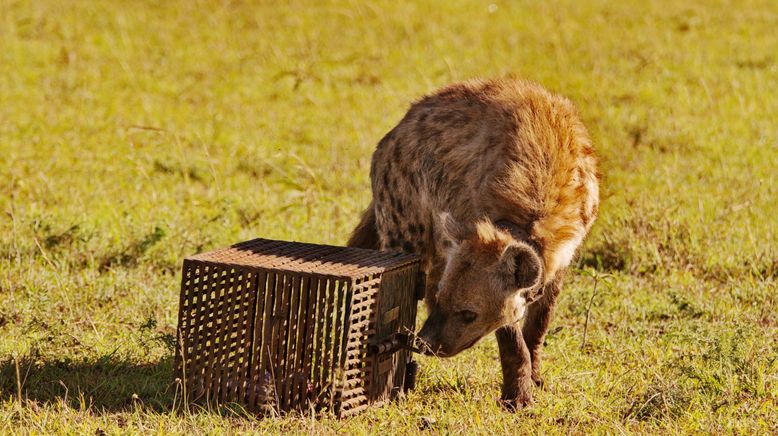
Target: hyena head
{"x": 489, "y": 278}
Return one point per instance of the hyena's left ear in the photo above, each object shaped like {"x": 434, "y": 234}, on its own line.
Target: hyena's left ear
{"x": 526, "y": 268}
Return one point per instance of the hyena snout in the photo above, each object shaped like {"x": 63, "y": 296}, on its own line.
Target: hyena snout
{"x": 428, "y": 339}
{"x": 445, "y": 334}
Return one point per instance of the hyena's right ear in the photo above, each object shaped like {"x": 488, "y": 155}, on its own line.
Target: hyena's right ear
{"x": 527, "y": 267}
{"x": 451, "y": 231}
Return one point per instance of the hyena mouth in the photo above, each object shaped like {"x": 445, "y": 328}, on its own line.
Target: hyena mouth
{"x": 470, "y": 344}
{"x": 440, "y": 353}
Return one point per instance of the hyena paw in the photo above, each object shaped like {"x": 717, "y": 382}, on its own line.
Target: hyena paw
{"x": 517, "y": 397}
{"x": 517, "y": 402}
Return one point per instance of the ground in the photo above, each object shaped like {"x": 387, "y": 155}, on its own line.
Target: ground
{"x": 135, "y": 133}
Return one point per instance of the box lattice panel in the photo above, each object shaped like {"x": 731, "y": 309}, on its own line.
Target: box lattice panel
{"x": 286, "y": 326}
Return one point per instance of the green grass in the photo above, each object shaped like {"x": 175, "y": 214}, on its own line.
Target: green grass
{"x": 135, "y": 133}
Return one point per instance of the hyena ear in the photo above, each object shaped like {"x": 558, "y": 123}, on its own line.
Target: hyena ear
{"x": 525, "y": 264}
{"x": 450, "y": 230}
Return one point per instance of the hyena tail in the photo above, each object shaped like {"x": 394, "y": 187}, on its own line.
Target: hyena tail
{"x": 365, "y": 235}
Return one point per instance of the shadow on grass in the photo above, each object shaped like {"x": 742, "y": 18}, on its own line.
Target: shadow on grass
{"x": 107, "y": 385}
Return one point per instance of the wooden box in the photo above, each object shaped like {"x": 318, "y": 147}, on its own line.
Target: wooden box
{"x": 279, "y": 326}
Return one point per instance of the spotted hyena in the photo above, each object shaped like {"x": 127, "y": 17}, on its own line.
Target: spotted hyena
{"x": 495, "y": 184}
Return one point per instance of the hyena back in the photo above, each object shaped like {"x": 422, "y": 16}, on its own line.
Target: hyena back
{"x": 495, "y": 184}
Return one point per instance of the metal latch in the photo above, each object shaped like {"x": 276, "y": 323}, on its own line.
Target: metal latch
{"x": 394, "y": 343}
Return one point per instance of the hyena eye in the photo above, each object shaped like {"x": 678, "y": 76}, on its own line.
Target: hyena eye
{"x": 467, "y": 316}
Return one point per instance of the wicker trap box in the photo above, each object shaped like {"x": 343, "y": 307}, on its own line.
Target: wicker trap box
{"x": 281, "y": 326}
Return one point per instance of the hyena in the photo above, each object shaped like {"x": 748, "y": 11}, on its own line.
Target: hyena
{"x": 494, "y": 184}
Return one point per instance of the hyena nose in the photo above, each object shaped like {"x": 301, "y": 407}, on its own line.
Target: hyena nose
{"x": 426, "y": 343}
{"x": 429, "y": 336}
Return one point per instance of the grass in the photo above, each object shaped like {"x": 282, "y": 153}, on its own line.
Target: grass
{"x": 133, "y": 134}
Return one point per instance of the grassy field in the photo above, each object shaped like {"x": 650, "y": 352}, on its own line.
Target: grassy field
{"x": 135, "y": 133}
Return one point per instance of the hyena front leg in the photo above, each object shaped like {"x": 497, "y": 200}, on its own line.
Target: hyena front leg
{"x": 516, "y": 368}
{"x": 536, "y": 323}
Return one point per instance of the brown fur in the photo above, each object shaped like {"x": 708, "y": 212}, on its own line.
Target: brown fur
{"x": 495, "y": 184}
